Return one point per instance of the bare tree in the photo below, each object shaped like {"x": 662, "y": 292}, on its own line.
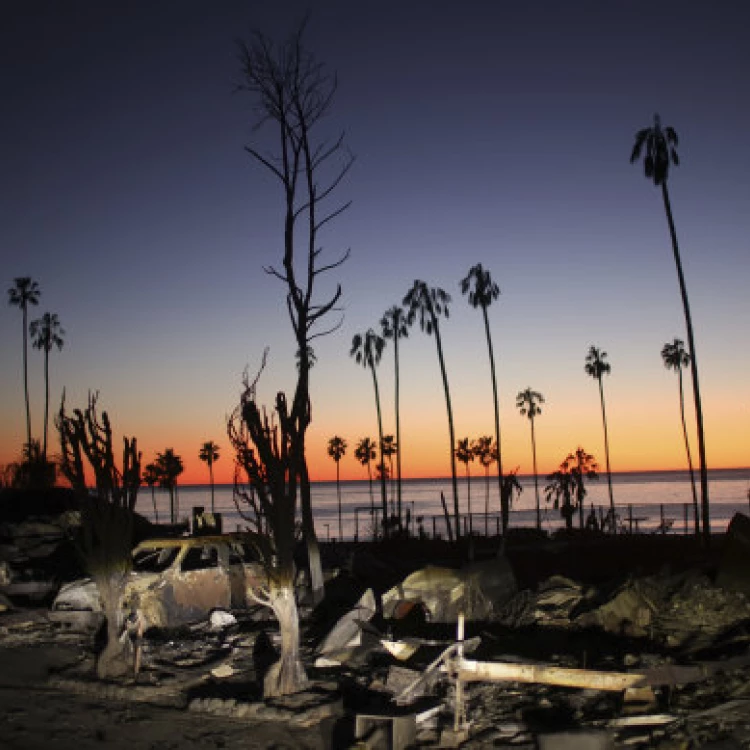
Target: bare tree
{"x": 293, "y": 93}
{"x": 107, "y": 515}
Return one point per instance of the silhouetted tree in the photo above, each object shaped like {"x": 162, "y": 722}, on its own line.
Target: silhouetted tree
{"x": 465, "y": 455}
{"x": 169, "y": 465}
{"x": 46, "y": 333}
{"x": 209, "y": 453}
{"x": 675, "y": 358}
{"x": 336, "y": 450}
{"x": 486, "y": 451}
{"x": 511, "y": 486}
{"x": 429, "y": 304}
{"x": 527, "y": 402}
{"x": 394, "y": 326}
{"x": 482, "y": 291}
{"x": 367, "y": 351}
{"x": 107, "y": 516}
{"x": 293, "y": 94}
{"x": 25, "y": 292}
{"x": 151, "y": 478}
{"x": 582, "y": 466}
{"x": 661, "y": 151}
{"x": 365, "y": 454}
{"x": 389, "y": 449}
{"x": 566, "y": 489}
{"x": 596, "y": 366}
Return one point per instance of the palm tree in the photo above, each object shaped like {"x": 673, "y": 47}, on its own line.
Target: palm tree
{"x": 24, "y": 293}
{"x": 336, "y": 450}
{"x": 429, "y": 303}
{"x": 582, "y": 465}
{"x": 151, "y": 478}
{"x": 169, "y": 466}
{"x": 511, "y": 486}
{"x": 367, "y": 351}
{"x": 528, "y": 404}
{"x": 597, "y": 366}
{"x": 465, "y": 455}
{"x": 661, "y": 151}
{"x": 389, "y": 448}
{"x": 394, "y": 326}
{"x": 675, "y": 358}
{"x": 209, "y": 453}
{"x": 484, "y": 449}
{"x": 482, "y": 291}
{"x": 365, "y": 454}
{"x": 46, "y": 333}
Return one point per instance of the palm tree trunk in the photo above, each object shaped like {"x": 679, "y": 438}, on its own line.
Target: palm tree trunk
{"x": 26, "y": 377}
{"x": 46, "y": 402}
{"x": 696, "y": 516}
{"x": 693, "y": 369}
{"x": 451, "y": 430}
{"x": 338, "y": 497}
{"x": 211, "y": 476}
{"x": 503, "y": 507}
{"x": 398, "y": 434}
{"x": 383, "y": 491}
{"x": 486, "y": 500}
{"x": 536, "y": 478}
{"x": 606, "y": 452}
{"x": 153, "y": 500}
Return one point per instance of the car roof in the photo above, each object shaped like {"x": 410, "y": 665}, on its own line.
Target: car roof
{"x": 190, "y": 541}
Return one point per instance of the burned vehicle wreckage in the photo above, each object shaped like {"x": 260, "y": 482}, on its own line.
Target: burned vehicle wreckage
{"x": 174, "y": 581}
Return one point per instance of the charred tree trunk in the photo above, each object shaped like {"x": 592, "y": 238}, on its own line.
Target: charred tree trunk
{"x": 287, "y": 675}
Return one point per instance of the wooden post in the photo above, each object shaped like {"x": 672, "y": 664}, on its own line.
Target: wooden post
{"x": 630, "y": 517}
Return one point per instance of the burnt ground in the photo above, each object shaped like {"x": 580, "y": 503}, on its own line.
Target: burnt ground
{"x": 184, "y": 700}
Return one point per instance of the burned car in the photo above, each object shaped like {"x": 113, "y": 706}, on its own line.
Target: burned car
{"x": 175, "y": 582}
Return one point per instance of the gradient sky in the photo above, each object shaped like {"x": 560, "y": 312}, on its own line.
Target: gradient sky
{"x": 490, "y": 132}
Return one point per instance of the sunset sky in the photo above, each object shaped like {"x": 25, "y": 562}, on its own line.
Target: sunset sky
{"x": 490, "y": 132}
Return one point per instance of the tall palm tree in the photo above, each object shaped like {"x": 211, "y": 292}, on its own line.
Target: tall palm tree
{"x": 661, "y": 151}
{"x": 336, "y": 450}
{"x": 429, "y": 304}
{"x": 367, "y": 351}
{"x": 169, "y": 466}
{"x": 486, "y": 451}
{"x": 209, "y": 453}
{"x": 465, "y": 455}
{"x": 675, "y": 358}
{"x": 527, "y": 402}
{"x": 25, "y": 292}
{"x": 597, "y": 366}
{"x": 46, "y": 333}
{"x": 394, "y": 326}
{"x": 151, "y": 477}
{"x": 389, "y": 449}
{"x": 365, "y": 453}
{"x": 482, "y": 291}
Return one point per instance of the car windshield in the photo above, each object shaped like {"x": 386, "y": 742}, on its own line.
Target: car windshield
{"x": 154, "y": 559}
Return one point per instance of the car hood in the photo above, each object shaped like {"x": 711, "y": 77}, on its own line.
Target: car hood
{"x": 83, "y": 593}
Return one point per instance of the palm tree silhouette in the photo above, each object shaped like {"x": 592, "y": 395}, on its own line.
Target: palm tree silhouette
{"x": 582, "y": 466}
{"x": 596, "y": 366}
{"x": 151, "y": 477}
{"x": 389, "y": 448}
{"x": 365, "y": 453}
{"x": 25, "y": 292}
{"x": 46, "y": 333}
{"x": 336, "y": 450}
{"x": 367, "y": 351}
{"x": 465, "y": 455}
{"x": 482, "y": 291}
{"x": 429, "y": 303}
{"x": 661, "y": 151}
{"x": 394, "y": 326}
{"x": 169, "y": 466}
{"x": 511, "y": 486}
{"x": 527, "y": 402}
{"x": 675, "y": 358}
{"x": 484, "y": 449}
{"x": 209, "y": 453}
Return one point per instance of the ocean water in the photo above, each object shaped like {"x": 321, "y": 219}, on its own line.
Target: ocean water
{"x": 639, "y": 495}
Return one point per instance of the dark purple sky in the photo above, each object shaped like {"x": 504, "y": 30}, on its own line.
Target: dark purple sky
{"x": 491, "y": 131}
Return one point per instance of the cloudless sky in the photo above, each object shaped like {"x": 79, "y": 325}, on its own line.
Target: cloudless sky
{"x": 490, "y": 132}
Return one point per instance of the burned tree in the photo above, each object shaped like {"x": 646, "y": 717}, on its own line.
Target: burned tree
{"x": 293, "y": 93}
{"x": 267, "y": 478}
{"x": 106, "y": 537}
